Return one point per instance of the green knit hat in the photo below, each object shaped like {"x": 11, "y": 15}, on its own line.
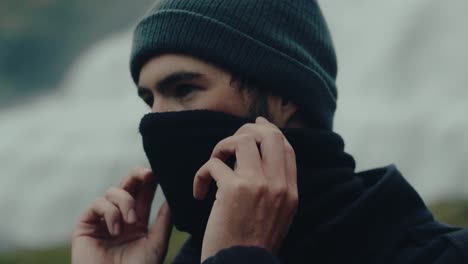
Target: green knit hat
{"x": 283, "y": 45}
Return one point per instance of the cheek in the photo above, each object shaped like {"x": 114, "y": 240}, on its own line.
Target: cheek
{"x": 231, "y": 107}
{"x": 230, "y": 102}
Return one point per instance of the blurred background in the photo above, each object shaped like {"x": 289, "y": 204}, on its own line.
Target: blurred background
{"x": 69, "y": 111}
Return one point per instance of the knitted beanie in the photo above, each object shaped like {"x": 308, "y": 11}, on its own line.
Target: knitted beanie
{"x": 284, "y": 45}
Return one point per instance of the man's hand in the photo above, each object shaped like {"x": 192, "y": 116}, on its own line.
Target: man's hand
{"x": 115, "y": 228}
{"x": 256, "y": 202}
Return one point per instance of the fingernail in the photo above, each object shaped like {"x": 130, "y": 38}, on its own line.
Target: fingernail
{"x": 131, "y": 217}
{"x": 116, "y": 229}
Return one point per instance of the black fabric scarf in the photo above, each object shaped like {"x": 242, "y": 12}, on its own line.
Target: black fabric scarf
{"x": 177, "y": 144}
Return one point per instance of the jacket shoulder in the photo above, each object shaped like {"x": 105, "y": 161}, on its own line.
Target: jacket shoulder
{"x": 434, "y": 243}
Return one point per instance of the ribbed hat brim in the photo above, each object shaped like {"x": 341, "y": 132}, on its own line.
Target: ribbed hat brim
{"x": 185, "y": 32}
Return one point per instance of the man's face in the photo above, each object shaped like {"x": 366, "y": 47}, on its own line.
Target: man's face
{"x": 178, "y": 82}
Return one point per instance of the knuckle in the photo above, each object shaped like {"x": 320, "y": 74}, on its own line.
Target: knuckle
{"x": 219, "y": 148}
{"x": 132, "y": 172}
{"x": 119, "y": 196}
{"x": 220, "y": 144}
{"x": 127, "y": 178}
{"x": 261, "y": 188}
{"x": 238, "y": 186}
{"x": 278, "y": 204}
{"x": 276, "y": 135}
{"x": 110, "y": 193}
{"x": 289, "y": 150}
{"x": 99, "y": 202}
{"x": 245, "y": 139}
{"x": 278, "y": 195}
{"x": 294, "y": 200}
{"x": 280, "y": 192}
{"x": 128, "y": 200}
{"x": 213, "y": 163}
{"x": 112, "y": 213}
{"x": 246, "y": 128}
{"x": 137, "y": 172}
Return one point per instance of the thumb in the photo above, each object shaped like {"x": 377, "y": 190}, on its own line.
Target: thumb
{"x": 160, "y": 231}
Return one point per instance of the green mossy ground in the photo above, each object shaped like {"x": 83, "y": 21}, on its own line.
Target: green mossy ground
{"x": 453, "y": 212}
{"x": 61, "y": 255}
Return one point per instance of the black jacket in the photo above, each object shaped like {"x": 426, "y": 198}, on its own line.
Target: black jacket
{"x": 382, "y": 220}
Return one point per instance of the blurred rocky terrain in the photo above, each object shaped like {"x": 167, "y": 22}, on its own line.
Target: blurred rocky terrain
{"x": 39, "y": 39}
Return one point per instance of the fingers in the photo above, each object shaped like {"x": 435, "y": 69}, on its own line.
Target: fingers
{"x": 135, "y": 178}
{"x": 129, "y": 203}
{"x": 290, "y": 166}
{"x": 160, "y": 231}
{"x": 272, "y": 148}
{"x": 103, "y": 209}
{"x": 124, "y": 201}
{"x": 274, "y": 163}
{"x": 264, "y": 121}
{"x": 116, "y": 206}
{"x": 141, "y": 185}
{"x": 244, "y": 147}
{"x": 278, "y": 158}
{"x": 289, "y": 190}
{"x": 273, "y": 157}
{"x": 291, "y": 171}
{"x": 213, "y": 169}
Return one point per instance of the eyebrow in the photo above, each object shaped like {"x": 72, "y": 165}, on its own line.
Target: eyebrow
{"x": 174, "y": 78}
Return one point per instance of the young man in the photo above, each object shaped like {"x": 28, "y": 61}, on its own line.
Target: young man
{"x": 249, "y": 189}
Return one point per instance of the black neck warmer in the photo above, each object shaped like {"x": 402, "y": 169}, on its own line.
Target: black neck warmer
{"x": 177, "y": 144}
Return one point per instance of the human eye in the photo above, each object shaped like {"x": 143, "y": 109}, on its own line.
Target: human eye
{"x": 183, "y": 90}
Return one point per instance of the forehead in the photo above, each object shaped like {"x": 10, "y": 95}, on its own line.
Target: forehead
{"x": 164, "y": 65}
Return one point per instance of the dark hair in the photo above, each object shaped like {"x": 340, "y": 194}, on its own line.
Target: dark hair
{"x": 259, "y": 95}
